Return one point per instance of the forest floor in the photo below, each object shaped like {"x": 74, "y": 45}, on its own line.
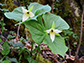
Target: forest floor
{"x": 43, "y": 55}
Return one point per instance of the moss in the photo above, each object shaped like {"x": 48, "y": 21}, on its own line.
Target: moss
{"x": 10, "y": 5}
{"x": 40, "y": 59}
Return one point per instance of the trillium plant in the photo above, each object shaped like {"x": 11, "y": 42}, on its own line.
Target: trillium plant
{"x": 48, "y": 31}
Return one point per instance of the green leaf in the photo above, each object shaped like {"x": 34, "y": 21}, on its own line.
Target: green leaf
{"x": 5, "y": 10}
{"x": 5, "y": 61}
{"x": 10, "y": 37}
{"x": 60, "y": 24}
{"x": 37, "y": 6}
{"x": 10, "y": 42}
{"x": 30, "y": 60}
{"x": 14, "y": 60}
{"x": 0, "y": 40}
{"x": 6, "y": 48}
{"x": 18, "y": 44}
{"x": 20, "y": 50}
{"x": 36, "y": 30}
{"x": 39, "y": 18}
{"x": 57, "y": 46}
{"x": 16, "y": 14}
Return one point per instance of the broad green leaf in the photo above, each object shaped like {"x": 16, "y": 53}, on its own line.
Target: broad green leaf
{"x": 39, "y": 7}
{"x": 57, "y": 46}
{"x": 44, "y": 9}
{"x": 36, "y": 30}
{"x": 6, "y": 48}
{"x": 39, "y": 18}
{"x": 60, "y": 24}
{"x": 16, "y": 14}
{"x": 5, "y": 61}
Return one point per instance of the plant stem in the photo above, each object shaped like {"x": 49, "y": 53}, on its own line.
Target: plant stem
{"x": 2, "y": 27}
{"x": 53, "y": 6}
{"x": 69, "y": 48}
{"x": 18, "y": 31}
{"x": 20, "y": 58}
{"x": 32, "y": 47}
{"x": 37, "y": 51}
{"x": 80, "y": 34}
{"x": 2, "y": 59}
{"x": 5, "y": 1}
{"x": 38, "y": 0}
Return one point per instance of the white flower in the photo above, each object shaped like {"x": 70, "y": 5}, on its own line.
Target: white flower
{"x": 52, "y": 33}
{"x": 26, "y": 14}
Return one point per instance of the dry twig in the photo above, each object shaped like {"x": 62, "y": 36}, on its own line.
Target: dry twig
{"x": 80, "y": 34}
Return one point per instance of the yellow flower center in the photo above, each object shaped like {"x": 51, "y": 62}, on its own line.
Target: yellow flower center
{"x": 28, "y": 12}
{"x": 52, "y": 32}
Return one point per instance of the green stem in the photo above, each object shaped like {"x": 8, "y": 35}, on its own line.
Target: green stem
{"x": 32, "y": 47}
{"x": 36, "y": 52}
{"x": 20, "y": 58}
{"x": 2, "y": 59}
{"x": 2, "y": 27}
{"x": 18, "y": 30}
{"x": 38, "y": 0}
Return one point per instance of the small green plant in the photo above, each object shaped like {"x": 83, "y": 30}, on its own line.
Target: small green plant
{"x": 5, "y": 51}
{"x": 67, "y": 33}
{"x": 10, "y": 37}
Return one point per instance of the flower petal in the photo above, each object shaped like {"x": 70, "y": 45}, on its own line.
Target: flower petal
{"x": 31, "y": 14}
{"x": 48, "y": 30}
{"x": 25, "y": 17}
{"x": 52, "y": 36}
{"x": 57, "y": 31}
{"x": 24, "y": 10}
